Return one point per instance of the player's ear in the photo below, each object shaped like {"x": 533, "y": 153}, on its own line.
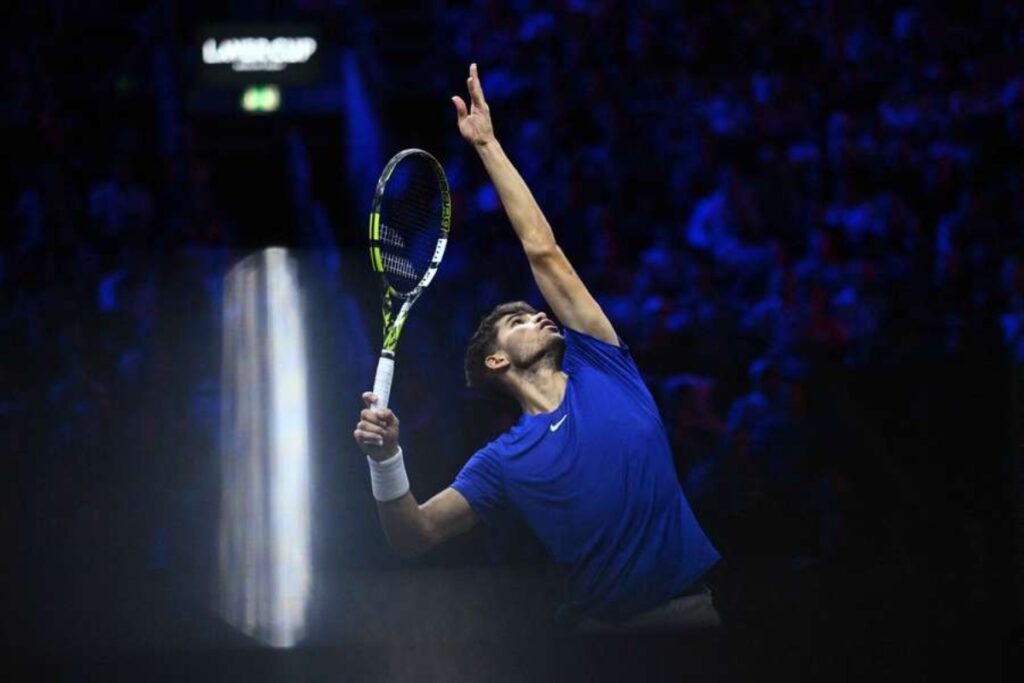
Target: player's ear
{"x": 496, "y": 361}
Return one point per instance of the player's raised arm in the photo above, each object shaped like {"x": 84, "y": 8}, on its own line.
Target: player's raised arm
{"x": 558, "y": 282}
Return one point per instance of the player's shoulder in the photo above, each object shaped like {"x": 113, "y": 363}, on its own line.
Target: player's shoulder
{"x": 585, "y": 341}
{"x": 607, "y": 338}
{"x": 519, "y": 438}
{"x": 585, "y": 353}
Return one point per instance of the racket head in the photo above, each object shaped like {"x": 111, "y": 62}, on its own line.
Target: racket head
{"x": 409, "y": 223}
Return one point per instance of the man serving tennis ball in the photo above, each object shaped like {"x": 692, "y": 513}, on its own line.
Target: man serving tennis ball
{"x": 588, "y": 465}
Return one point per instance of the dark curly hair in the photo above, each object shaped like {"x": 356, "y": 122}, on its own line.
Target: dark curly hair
{"x": 484, "y": 342}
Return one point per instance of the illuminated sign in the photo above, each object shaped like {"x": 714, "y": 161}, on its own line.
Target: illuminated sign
{"x": 261, "y": 99}
{"x": 259, "y": 54}
{"x": 250, "y": 54}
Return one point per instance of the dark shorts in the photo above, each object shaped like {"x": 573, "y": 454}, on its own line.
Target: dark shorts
{"x": 692, "y": 610}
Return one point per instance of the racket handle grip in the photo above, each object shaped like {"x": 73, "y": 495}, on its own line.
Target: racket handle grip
{"x": 382, "y": 381}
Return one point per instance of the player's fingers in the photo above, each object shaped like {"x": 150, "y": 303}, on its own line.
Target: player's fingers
{"x": 368, "y": 439}
{"x": 370, "y": 428}
{"x": 364, "y": 435}
{"x": 460, "y": 107}
{"x": 369, "y": 398}
{"x": 476, "y": 90}
{"x": 382, "y": 417}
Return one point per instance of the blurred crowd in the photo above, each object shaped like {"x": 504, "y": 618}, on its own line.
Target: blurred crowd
{"x": 768, "y": 199}
{"x": 110, "y": 269}
{"x": 763, "y": 196}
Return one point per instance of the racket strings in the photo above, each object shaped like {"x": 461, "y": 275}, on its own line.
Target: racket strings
{"x": 410, "y": 223}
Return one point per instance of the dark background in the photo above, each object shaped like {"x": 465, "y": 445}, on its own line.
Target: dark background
{"x": 806, "y": 219}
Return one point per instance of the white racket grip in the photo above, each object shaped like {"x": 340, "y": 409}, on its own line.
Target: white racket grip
{"x": 382, "y": 382}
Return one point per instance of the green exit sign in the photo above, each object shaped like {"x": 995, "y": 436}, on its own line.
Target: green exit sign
{"x": 261, "y": 99}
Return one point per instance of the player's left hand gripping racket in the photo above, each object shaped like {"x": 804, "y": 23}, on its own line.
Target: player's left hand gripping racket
{"x": 409, "y": 225}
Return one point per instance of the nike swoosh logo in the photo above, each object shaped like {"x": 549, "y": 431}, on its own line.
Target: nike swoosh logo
{"x": 556, "y": 425}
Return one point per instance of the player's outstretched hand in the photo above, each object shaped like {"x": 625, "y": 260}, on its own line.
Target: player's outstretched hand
{"x": 377, "y": 430}
{"x": 474, "y": 122}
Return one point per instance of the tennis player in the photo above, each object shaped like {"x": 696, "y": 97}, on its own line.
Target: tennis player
{"x": 588, "y": 465}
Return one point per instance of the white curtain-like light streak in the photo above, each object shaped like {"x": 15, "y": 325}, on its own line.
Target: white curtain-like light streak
{"x": 264, "y": 561}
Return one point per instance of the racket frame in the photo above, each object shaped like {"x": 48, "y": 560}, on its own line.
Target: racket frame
{"x": 393, "y": 322}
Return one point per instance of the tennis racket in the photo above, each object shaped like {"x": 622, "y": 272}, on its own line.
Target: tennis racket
{"x": 409, "y": 225}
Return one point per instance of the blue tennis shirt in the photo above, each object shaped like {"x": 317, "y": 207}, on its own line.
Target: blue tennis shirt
{"x": 595, "y": 481}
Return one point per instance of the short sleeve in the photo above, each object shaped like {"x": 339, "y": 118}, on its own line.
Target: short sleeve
{"x": 582, "y": 350}
{"x": 482, "y": 484}
{"x": 586, "y": 355}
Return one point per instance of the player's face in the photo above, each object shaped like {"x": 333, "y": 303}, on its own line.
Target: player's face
{"x": 528, "y": 337}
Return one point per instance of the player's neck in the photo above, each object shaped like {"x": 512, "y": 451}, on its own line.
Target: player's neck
{"x": 541, "y": 391}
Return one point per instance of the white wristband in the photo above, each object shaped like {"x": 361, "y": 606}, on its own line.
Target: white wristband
{"x": 388, "y": 478}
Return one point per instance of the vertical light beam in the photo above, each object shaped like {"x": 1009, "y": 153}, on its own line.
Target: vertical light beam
{"x": 264, "y": 548}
